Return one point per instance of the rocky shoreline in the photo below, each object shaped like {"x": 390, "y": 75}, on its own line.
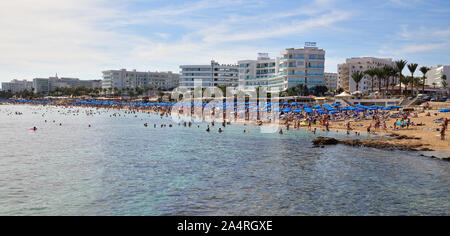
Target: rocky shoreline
{"x": 396, "y": 142}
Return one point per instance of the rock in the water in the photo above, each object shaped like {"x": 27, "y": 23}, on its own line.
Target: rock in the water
{"x": 320, "y": 141}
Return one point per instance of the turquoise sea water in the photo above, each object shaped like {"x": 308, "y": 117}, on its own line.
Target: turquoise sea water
{"x": 119, "y": 167}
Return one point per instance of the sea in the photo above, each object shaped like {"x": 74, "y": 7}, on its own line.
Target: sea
{"x": 84, "y": 161}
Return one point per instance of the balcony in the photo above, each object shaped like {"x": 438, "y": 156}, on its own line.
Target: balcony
{"x": 316, "y": 67}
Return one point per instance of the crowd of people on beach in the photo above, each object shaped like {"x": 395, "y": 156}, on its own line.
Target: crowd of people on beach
{"x": 311, "y": 117}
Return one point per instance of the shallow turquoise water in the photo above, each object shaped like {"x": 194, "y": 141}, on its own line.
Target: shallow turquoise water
{"x": 119, "y": 167}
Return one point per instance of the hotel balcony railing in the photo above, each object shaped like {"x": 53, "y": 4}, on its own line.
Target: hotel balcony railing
{"x": 288, "y": 66}
{"x": 292, "y": 58}
{"x": 316, "y": 67}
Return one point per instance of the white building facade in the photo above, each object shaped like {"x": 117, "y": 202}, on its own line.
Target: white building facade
{"x": 123, "y": 78}
{"x": 48, "y": 85}
{"x": 434, "y": 76}
{"x": 256, "y": 73}
{"x": 295, "y": 66}
{"x": 331, "y": 81}
{"x": 209, "y": 76}
{"x": 300, "y": 66}
{"x": 361, "y": 64}
{"x": 16, "y": 86}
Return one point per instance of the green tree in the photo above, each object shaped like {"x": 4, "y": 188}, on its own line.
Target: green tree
{"x": 357, "y": 77}
{"x": 380, "y": 77}
{"x": 390, "y": 72}
{"x": 400, "y": 65}
{"x": 412, "y": 67}
{"x": 424, "y": 71}
{"x": 319, "y": 90}
{"x": 444, "y": 82}
{"x": 371, "y": 73}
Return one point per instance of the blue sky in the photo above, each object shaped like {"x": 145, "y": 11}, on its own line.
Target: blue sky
{"x": 84, "y": 37}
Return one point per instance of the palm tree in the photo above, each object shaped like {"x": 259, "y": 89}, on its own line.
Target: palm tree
{"x": 412, "y": 68}
{"x": 405, "y": 80}
{"x": 444, "y": 82}
{"x": 388, "y": 72}
{"x": 380, "y": 73}
{"x": 424, "y": 71}
{"x": 357, "y": 77}
{"x": 371, "y": 73}
{"x": 400, "y": 65}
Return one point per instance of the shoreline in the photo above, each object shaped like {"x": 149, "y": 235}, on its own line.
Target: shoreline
{"x": 414, "y": 138}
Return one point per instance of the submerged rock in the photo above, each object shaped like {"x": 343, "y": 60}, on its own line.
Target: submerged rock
{"x": 387, "y": 144}
{"x": 321, "y": 141}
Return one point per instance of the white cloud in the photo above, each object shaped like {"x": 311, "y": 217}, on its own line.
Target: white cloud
{"x": 82, "y": 38}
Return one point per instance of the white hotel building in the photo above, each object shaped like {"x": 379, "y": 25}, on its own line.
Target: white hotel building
{"x": 296, "y": 66}
{"x": 361, "y": 64}
{"x": 300, "y": 66}
{"x": 16, "y": 86}
{"x": 331, "y": 81}
{"x": 255, "y": 73}
{"x": 123, "y": 78}
{"x": 208, "y": 76}
{"x": 435, "y": 75}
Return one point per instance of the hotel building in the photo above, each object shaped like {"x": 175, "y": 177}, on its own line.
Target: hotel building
{"x": 132, "y": 79}
{"x": 434, "y": 76}
{"x": 16, "y": 86}
{"x": 212, "y": 75}
{"x": 255, "y": 73}
{"x": 331, "y": 81}
{"x": 46, "y": 86}
{"x": 296, "y": 66}
{"x": 361, "y": 64}
{"x": 300, "y": 66}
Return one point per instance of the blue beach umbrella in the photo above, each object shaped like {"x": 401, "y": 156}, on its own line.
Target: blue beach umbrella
{"x": 444, "y": 110}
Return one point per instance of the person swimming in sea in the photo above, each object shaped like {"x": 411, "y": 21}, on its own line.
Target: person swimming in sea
{"x": 281, "y": 131}
{"x": 220, "y": 130}
{"x": 208, "y": 129}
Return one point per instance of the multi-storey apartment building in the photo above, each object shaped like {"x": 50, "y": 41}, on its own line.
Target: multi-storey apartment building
{"x": 296, "y": 66}
{"x": 331, "y": 81}
{"x": 16, "y": 86}
{"x": 300, "y": 66}
{"x": 361, "y": 64}
{"x": 46, "y": 86}
{"x": 133, "y": 79}
{"x": 434, "y": 75}
{"x": 212, "y": 75}
{"x": 255, "y": 73}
